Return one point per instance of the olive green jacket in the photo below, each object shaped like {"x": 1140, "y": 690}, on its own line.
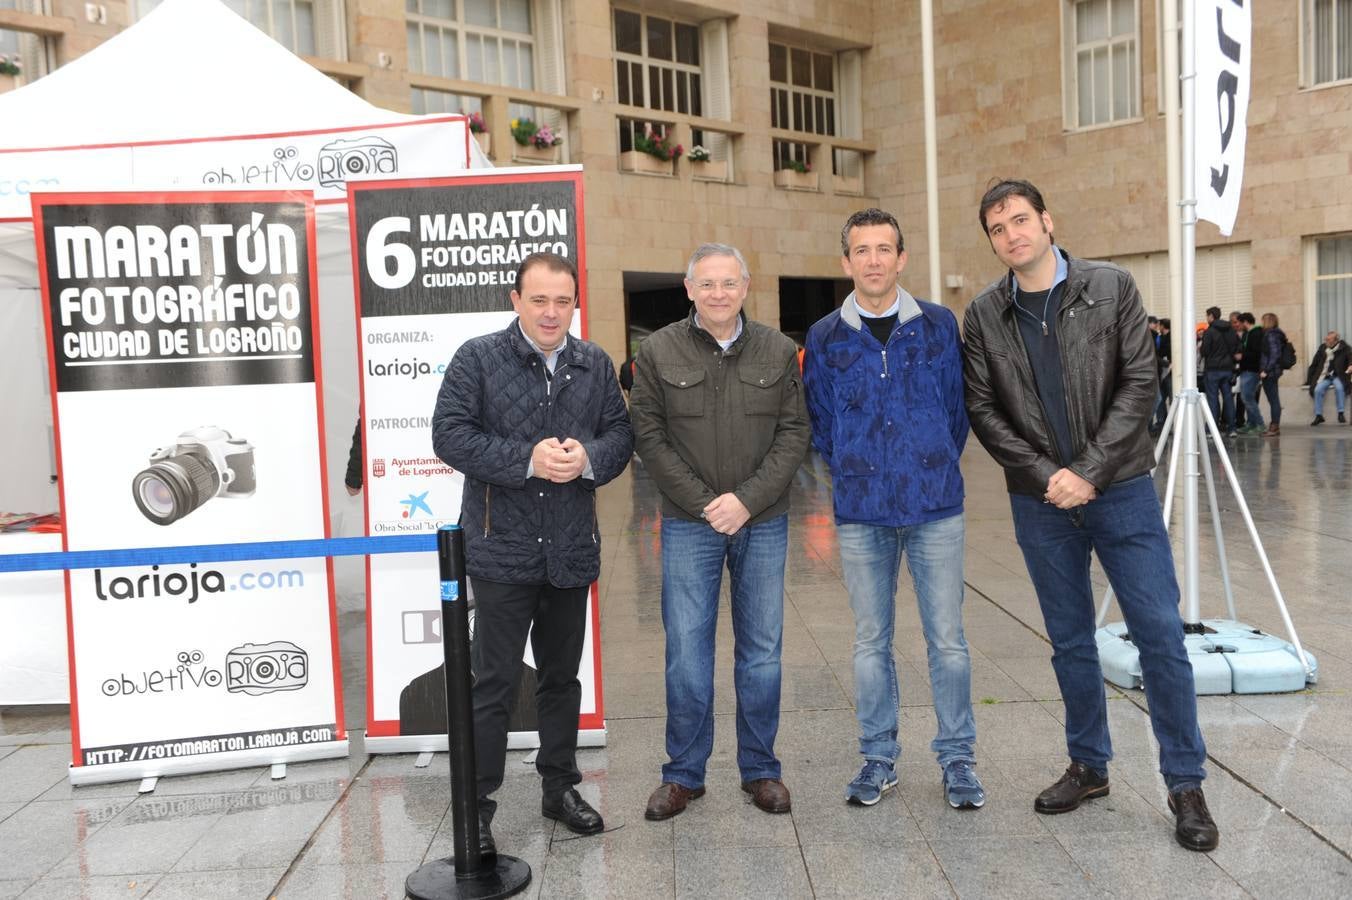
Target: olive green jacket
{"x": 709, "y": 421}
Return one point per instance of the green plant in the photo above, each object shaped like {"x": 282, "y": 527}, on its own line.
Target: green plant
{"x": 10, "y": 65}
{"x": 699, "y": 154}
{"x": 658, "y": 145}
{"x": 797, "y": 165}
{"x": 526, "y": 132}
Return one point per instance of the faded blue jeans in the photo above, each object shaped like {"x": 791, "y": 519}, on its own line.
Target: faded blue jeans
{"x": 693, "y": 556}
{"x": 871, "y": 557}
{"x": 1249, "y": 385}
{"x": 1125, "y": 529}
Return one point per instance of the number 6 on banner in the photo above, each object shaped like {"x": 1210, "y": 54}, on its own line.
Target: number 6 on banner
{"x": 379, "y": 250}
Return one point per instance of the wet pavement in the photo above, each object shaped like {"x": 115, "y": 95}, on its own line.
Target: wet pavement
{"x": 1280, "y": 767}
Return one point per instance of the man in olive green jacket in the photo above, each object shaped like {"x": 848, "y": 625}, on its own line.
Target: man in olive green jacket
{"x": 720, "y": 424}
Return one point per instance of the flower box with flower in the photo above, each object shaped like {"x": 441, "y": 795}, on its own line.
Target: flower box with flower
{"x": 705, "y": 167}
{"x": 653, "y": 154}
{"x": 796, "y": 176}
{"x": 534, "y": 143}
{"x": 11, "y": 65}
{"x": 479, "y": 129}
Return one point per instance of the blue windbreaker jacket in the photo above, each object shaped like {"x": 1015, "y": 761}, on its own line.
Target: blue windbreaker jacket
{"x": 890, "y": 421}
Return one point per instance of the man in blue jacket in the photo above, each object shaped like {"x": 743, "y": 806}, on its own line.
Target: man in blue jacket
{"x": 884, "y": 392}
{"x": 535, "y": 421}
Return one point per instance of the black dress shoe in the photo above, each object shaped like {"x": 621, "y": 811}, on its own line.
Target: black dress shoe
{"x": 1080, "y": 783}
{"x": 488, "y": 850}
{"x": 574, "y": 812}
{"x": 1193, "y": 826}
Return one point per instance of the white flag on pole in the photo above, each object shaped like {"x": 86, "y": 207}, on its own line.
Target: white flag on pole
{"x": 1222, "y": 31}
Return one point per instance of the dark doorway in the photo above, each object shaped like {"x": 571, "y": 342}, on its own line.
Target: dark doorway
{"x": 651, "y": 300}
{"x": 802, "y": 301}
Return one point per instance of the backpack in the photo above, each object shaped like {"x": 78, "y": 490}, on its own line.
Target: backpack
{"x": 1287, "y": 358}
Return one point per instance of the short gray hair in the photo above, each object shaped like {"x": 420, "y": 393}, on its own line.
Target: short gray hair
{"x": 704, "y": 251}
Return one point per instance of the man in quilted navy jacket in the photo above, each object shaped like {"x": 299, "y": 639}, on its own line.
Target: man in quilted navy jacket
{"x": 884, "y": 391}
{"x": 535, "y": 421}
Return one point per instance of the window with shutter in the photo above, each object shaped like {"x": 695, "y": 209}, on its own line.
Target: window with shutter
{"x": 805, "y": 92}
{"x": 1102, "y": 61}
{"x": 658, "y": 65}
{"x": 1332, "y": 284}
{"x": 1327, "y": 43}
{"x": 305, "y": 27}
{"x": 500, "y": 42}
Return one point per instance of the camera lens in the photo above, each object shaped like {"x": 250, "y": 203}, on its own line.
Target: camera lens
{"x": 172, "y": 487}
{"x": 155, "y": 495}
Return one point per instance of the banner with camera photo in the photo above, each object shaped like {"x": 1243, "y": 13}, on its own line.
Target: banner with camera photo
{"x": 434, "y": 263}
{"x": 184, "y": 360}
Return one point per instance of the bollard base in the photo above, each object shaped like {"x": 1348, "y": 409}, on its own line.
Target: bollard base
{"x": 437, "y": 880}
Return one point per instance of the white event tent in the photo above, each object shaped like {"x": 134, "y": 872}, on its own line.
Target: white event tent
{"x": 193, "y": 97}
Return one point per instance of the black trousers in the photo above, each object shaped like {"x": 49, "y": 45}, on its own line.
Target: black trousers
{"x": 503, "y": 614}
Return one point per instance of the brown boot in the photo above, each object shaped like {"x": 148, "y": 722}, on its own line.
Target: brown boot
{"x": 1272, "y": 431}
{"x": 670, "y": 799}
{"x": 769, "y": 794}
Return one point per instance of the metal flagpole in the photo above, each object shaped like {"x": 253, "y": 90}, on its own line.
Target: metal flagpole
{"x": 1225, "y": 655}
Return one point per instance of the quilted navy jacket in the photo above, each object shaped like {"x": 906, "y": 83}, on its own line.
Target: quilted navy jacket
{"x": 889, "y": 421}
{"x": 495, "y": 405}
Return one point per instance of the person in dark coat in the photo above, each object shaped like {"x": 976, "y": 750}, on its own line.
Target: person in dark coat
{"x": 535, "y": 421}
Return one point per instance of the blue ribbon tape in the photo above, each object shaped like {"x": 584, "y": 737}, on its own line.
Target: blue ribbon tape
{"x": 199, "y": 553}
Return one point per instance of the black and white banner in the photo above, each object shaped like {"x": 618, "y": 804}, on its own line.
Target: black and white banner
{"x": 182, "y": 337}
{"x": 434, "y": 263}
{"x": 1222, "y": 32}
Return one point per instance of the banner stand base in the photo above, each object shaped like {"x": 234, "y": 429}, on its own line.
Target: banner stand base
{"x": 436, "y": 743}
{"x": 213, "y": 762}
{"x": 437, "y": 880}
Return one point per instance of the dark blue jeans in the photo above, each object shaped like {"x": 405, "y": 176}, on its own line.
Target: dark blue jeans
{"x": 1125, "y": 529}
{"x": 1216, "y": 389}
{"x": 693, "y": 556}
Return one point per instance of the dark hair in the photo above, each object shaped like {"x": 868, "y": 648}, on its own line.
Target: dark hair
{"x": 1164, "y": 323}
{"x": 998, "y": 194}
{"x": 1214, "y": 312}
{"x": 551, "y": 261}
{"x": 1150, "y": 320}
{"x": 1247, "y": 318}
{"x": 865, "y": 217}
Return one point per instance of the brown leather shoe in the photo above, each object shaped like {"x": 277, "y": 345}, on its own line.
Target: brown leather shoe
{"x": 1272, "y": 431}
{"x": 1080, "y": 783}
{"x": 670, "y": 799}
{"x": 768, "y": 794}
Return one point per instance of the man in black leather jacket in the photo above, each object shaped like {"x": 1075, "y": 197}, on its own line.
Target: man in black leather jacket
{"x": 1060, "y": 381}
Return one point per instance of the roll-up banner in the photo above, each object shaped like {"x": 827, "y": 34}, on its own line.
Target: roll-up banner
{"x": 434, "y": 263}
{"x": 185, "y": 365}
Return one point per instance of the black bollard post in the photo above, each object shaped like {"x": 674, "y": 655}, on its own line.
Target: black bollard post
{"x": 465, "y": 875}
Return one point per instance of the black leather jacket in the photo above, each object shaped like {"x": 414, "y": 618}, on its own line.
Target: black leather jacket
{"x": 1108, "y": 361}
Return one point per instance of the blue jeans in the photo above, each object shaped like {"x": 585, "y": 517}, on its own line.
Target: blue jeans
{"x": 1322, "y": 387}
{"x": 1216, "y": 388}
{"x": 871, "y": 557}
{"x": 693, "y": 555}
{"x": 1249, "y": 382}
{"x": 1125, "y": 529}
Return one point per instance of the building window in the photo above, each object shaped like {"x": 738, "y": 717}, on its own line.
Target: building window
{"x": 1328, "y": 40}
{"x": 1333, "y": 285}
{"x": 657, "y": 66}
{"x": 1102, "y": 64}
{"x": 487, "y": 41}
{"x": 305, "y": 27}
{"x": 802, "y": 97}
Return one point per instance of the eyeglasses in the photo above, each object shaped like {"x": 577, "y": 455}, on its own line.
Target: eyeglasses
{"x": 705, "y": 287}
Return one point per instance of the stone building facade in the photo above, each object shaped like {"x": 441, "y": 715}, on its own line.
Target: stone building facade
{"x": 1066, "y": 93}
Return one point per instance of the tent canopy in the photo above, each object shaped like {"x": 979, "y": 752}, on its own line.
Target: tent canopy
{"x": 189, "y": 69}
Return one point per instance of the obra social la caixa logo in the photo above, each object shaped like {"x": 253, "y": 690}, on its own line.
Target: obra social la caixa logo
{"x": 335, "y": 162}
{"x": 251, "y": 669}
